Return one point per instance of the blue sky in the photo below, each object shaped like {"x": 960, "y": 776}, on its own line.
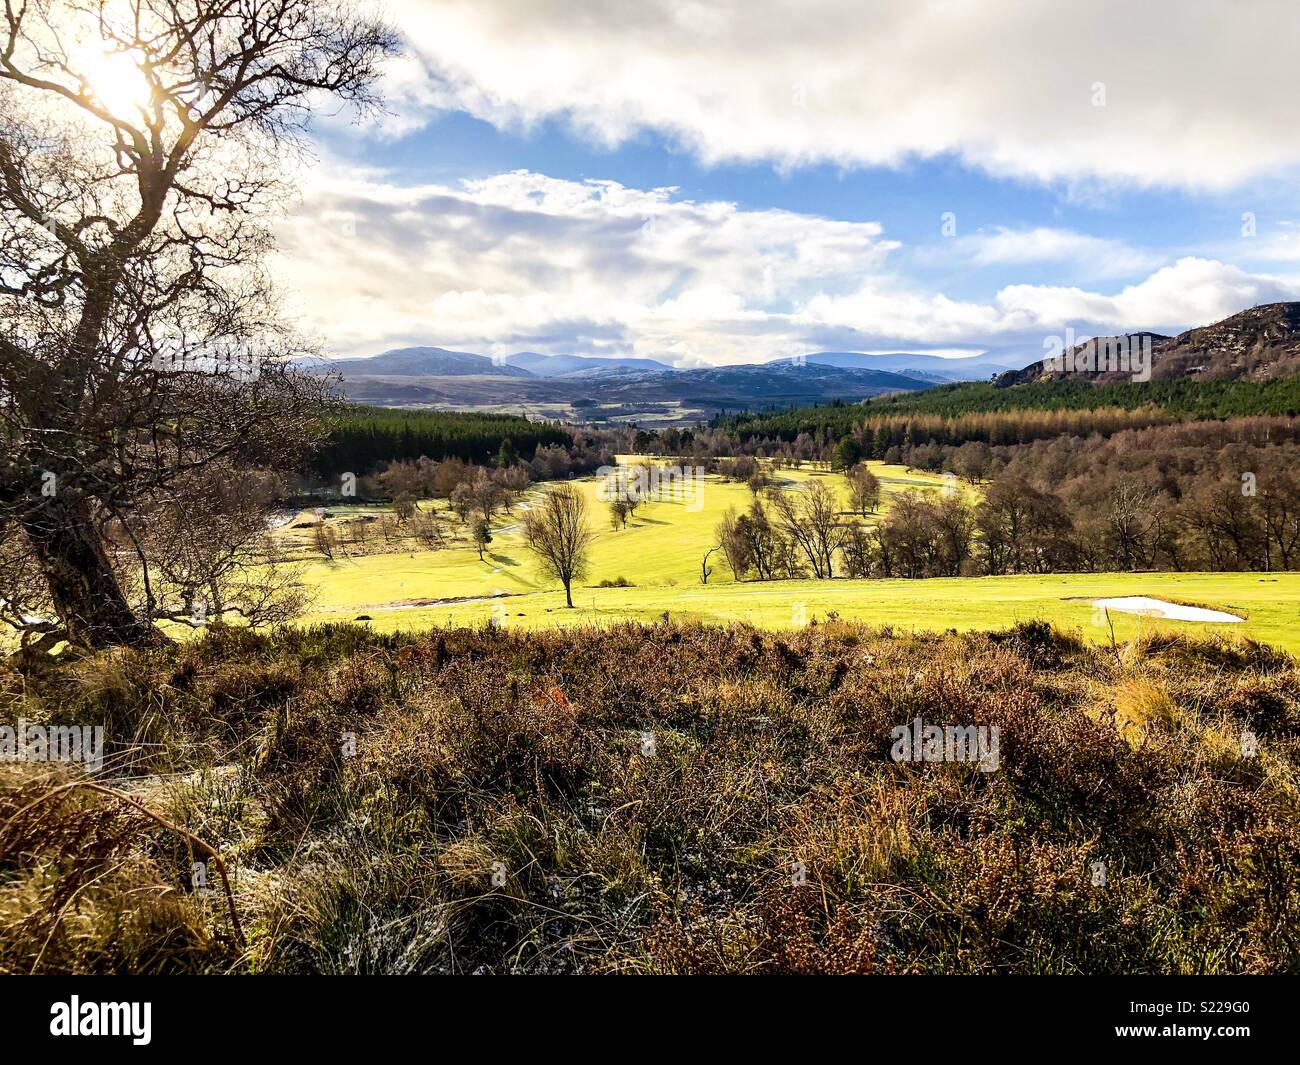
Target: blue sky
{"x": 718, "y": 183}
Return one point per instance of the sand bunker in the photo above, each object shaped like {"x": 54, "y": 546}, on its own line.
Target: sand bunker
{"x": 420, "y": 604}
{"x": 1158, "y": 608}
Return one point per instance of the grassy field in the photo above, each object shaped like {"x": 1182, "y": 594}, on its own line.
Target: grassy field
{"x": 660, "y": 552}
{"x": 1271, "y": 606}
{"x": 661, "y": 545}
{"x": 670, "y": 799}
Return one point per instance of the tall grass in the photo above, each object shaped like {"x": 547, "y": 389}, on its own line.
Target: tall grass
{"x": 663, "y": 799}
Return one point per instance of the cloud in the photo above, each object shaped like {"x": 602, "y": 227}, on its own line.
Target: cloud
{"x": 1089, "y": 256}
{"x": 500, "y": 262}
{"x": 1161, "y": 93}
{"x": 1192, "y": 291}
{"x": 522, "y": 260}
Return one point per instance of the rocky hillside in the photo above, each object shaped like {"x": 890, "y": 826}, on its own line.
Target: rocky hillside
{"x": 1262, "y": 342}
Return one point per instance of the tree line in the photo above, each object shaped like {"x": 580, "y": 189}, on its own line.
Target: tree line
{"x": 476, "y": 494}
{"x": 360, "y": 438}
{"x": 1178, "y": 399}
{"x": 1159, "y": 499}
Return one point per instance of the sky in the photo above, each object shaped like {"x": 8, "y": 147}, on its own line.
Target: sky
{"x": 728, "y": 182}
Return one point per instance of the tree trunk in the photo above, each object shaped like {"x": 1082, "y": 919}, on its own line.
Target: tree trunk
{"x": 87, "y": 596}
{"x": 568, "y": 594}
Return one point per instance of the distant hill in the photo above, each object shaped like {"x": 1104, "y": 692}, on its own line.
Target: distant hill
{"x": 928, "y": 367}
{"x": 424, "y": 362}
{"x": 1243, "y": 366}
{"x": 781, "y": 383}
{"x": 403, "y": 376}
{"x": 565, "y": 365}
{"x": 438, "y": 377}
{"x": 1256, "y": 344}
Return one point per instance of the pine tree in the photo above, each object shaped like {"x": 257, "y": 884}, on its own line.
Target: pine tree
{"x": 507, "y": 456}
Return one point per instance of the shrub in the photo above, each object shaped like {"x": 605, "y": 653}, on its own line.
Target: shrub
{"x": 672, "y": 798}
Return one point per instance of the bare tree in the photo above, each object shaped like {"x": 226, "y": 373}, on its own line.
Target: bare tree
{"x": 735, "y": 544}
{"x": 403, "y": 480}
{"x": 1137, "y": 523}
{"x": 864, "y": 488}
{"x": 428, "y": 529}
{"x": 488, "y": 495}
{"x": 557, "y": 534}
{"x": 1226, "y": 523}
{"x": 766, "y": 545}
{"x": 140, "y": 340}
{"x": 1279, "y": 498}
{"x": 462, "y": 500}
{"x": 857, "y": 551}
{"x": 706, "y": 571}
{"x": 514, "y": 482}
{"x": 809, "y": 517}
{"x": 631, "y": 501}
{"x": 404, "y": 507}
{"x": 215, "y": 558}
{"x": 325, "y": 540}
{"x": 618, "y": 513}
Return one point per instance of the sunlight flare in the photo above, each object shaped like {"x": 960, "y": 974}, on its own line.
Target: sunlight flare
{"x": 114, "y": 78}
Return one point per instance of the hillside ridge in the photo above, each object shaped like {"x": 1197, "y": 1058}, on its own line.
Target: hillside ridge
{"x": 1258, "y": 343}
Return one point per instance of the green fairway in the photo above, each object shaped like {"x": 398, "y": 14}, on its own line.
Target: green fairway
{"x": 662, "y": 545}
{"x": 660, "y": 552}
{"x": 1270, "y": 604}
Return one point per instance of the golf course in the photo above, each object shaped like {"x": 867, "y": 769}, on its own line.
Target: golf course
{"x": 659, "y": 553}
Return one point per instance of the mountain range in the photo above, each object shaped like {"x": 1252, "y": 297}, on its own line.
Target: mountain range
{"x": 441, "y": 362}
{"x": 570, "y": 365}
{"x": 1261, "y": 342}
{"x": 442, "y": 377}
{"x": 961, "y": 368}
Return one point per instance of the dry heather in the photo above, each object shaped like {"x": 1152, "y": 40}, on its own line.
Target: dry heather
{"x": 659, "y": 800}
